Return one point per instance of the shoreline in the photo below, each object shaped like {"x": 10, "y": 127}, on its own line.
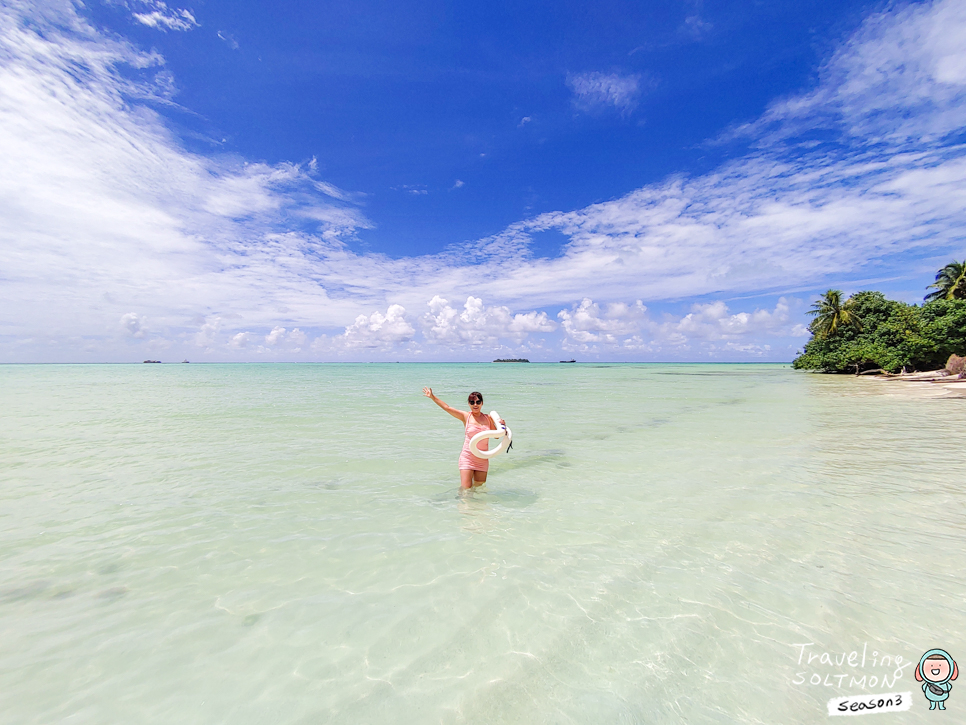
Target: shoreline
{"x": 944, "y": 384}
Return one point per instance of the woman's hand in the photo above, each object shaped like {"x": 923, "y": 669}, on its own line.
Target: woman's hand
{"x": 458, "y": 414}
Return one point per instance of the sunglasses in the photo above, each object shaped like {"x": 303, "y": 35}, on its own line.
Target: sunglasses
{"x": 476, "y": 401}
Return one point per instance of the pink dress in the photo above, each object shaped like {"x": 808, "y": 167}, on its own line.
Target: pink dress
{"x": 469, "y": 462}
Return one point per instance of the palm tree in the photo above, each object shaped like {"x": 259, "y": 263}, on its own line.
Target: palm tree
{"x": 831, "y": 314}
{"x": 950, "y": 283}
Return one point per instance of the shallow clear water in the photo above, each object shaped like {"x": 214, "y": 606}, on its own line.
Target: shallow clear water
{"x": 286, "y": 544}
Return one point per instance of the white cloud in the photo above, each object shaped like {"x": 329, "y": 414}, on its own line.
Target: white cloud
{"x": 713, "y": 321}
{"x": 588, "y": 323}
{"x": 378, "y": 330}
{"x": 229, "y": 39}
{"x": 297, "y": 337}
{"x": 900, "y": 78}
{"x": 278, "y": 339}
{"x": 478, "y": 325}
{"x": 103, "y": 210}
{"x": 275, "y": 336}
{"x": 132, "y": 324}
{"x": 696, "y": 27}
{"x": 594, "y": 91}
{"x": 414, "y": 189}
{"x": 331, "y": 189}
{"x": 240, "y": 341}
{"x": 205, "y": 337}
{"x": 628, "y": 327}
{"x": 158, "y": 15}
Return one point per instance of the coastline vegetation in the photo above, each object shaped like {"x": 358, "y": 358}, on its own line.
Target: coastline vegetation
{"x": 867, "y": 331}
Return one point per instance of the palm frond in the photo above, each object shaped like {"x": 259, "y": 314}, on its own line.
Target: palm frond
{"x": 950, "y": 283}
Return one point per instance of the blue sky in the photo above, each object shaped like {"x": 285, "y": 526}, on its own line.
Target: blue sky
{"x": 455, "y": 181}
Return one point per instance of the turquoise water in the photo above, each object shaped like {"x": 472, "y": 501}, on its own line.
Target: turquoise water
{"x": 286, "y": 544}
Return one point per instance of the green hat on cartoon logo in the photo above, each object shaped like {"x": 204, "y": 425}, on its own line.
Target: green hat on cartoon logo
{"x": 935, "y": 670}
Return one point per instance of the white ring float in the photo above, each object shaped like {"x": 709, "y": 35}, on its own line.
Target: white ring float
{"x": 501, "y": 432}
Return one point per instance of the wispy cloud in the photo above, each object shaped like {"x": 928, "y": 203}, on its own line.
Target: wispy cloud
{"x": 696, "y": 27}
{"x": 900, "y": 79}
{"x": 228, "y": 39}
{"x": 600, "y": 91}
{"x": 415, "y": 189}
{"x": 104, "y": 212}
{"x": 157, "y": 14}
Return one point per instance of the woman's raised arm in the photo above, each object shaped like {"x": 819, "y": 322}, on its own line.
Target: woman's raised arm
{"x": 458, "y": 414}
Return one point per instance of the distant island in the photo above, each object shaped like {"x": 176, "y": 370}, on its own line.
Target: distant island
{"x": 568, "y": 361}
{"x": 152, "y": 361}
{"x": 518, "y": 359}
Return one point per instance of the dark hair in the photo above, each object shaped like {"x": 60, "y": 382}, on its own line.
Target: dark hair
{"x": 474, "y": 394}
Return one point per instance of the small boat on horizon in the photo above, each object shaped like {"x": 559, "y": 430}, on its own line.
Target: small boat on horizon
{"x": 568, "y": 361}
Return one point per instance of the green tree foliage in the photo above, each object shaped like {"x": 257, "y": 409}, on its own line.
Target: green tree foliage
{"x": 950, "y": 283}
{"x": 831, "y": 314}
{"x": 944, "y": 321}
{"x": 893, "y": 335}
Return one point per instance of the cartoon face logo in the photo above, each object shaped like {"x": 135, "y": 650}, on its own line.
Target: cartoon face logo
{"x": 936, "y": 670}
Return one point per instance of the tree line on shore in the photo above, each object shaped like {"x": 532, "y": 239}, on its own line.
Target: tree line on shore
{"x": 869, "y": 332}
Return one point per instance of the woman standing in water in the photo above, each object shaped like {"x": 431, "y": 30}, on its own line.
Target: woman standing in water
{"x": 472, "y": 468}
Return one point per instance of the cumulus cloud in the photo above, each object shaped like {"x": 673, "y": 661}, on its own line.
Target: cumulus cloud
{"x": 275, "y": 336}
{"x": 587, "y": 322}
{"x": 378, "y": 330}
{"x": 157, "y": 14}
{"x": 278, "y": 338}
{"x": 594, "y": 91}
{"x": 132, "y": 324}
{"x": 240, "y": 341}
{"x": 619, "y": 326}
{"x": 205, "y": 337}
{"x": 477, "y": 325}
{"x": 297, "y": 337}
{"x": 713, "y": 321}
